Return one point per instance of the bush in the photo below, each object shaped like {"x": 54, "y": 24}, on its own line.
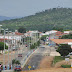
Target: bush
{"x": 32, "y": 46}
{"x": 13, "y": 61}
{"x": 17, "y": 62}
{"x": 35, "y": 45}
{"x": 38, "y": 43}
{"x": 66, "y": 66}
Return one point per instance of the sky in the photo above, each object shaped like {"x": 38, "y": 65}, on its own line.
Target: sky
{"x": 22, "y": 8}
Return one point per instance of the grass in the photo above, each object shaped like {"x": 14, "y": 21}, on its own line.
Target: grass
{"x": 6, "y": 52}
{"x": 57, "y": 59}
{"x": 0, "y": 53}
{"x": 66, "y": 66}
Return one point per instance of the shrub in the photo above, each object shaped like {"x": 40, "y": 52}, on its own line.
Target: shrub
{"x": 13, "y": 61}
{"x": 17, "y": 62}
{"x": 66, "y": 66}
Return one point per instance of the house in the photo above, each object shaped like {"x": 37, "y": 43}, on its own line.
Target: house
{"x": 61, "y": 41}
{"x": 59, "y": 34}
{"x": 67, "y": 32}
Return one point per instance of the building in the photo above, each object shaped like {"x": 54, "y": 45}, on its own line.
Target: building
{"x": 31, "y": 33}
{"x": 60, "y": 41}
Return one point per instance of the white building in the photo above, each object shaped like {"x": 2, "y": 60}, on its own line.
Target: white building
{"x": 50, "y": 32}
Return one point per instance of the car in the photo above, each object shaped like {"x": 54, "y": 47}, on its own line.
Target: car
{"x": 26, "y": 45}
{"x": 1, "y": 67}
{"x": 42, "y": 47}
{"x": 19, "y": 55}
{"x": 17, "y": 68}
{"x": 67, "y": 56}
{"x": 70, "y": 53}
{"x": 14, "y": 48}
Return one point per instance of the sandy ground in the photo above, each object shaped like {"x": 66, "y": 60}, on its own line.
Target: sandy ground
{"x": 6, "y": 58}
{"x": 46, "y": 62}
{"x": 51, "y": 70}
{"x": 58, "y": 64}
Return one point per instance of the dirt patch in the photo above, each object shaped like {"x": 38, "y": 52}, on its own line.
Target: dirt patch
{"x": 6, "y": 58}
{"x": 46, "y": 62}
{"x": 51, "y": 70}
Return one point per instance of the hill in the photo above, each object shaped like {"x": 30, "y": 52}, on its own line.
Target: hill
{"x": 42, "y": 21}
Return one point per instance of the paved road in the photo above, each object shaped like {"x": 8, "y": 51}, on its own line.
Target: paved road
{"x": 36, "y": 58}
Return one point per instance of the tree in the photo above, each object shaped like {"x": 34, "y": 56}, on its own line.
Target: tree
{"x": 22, "y": 30}
{"x": 44, "y": 37}
{"x": 13, "y": 61}
{"x": 17, "y": 62}
{"x": 58, "y": 28}
{"x": 2, "y": 46}
{"x": 64, "y": 49}
{"x": 67, "y": 36}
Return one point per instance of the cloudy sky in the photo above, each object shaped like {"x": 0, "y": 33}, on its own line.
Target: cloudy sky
{"x": 23, "y": 8}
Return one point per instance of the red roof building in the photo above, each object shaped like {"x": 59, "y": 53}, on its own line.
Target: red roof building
{"x": 17, "y": 33}
{"x": 60, "y": 34}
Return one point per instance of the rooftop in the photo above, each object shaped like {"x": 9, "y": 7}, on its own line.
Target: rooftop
{"x": 60, "y": 41}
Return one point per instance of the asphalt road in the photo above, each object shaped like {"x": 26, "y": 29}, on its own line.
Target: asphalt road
{"x": 36, "y": 58}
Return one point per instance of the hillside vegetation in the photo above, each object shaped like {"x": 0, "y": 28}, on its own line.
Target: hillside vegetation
{"x": 43, "y": 21}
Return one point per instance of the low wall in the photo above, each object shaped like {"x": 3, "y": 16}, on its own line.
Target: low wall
{"x": 7, "y": 71}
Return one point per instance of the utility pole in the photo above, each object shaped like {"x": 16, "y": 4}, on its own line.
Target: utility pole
{"x": 8, "y": 51}
{"x": 4, "y": 53}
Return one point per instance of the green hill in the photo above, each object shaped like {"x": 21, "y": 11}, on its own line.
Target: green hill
{"x": 42, "y": 21}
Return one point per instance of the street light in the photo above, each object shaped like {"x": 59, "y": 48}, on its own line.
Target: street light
{"x": 4, "y": 50}
{"x": 8, "y": 49}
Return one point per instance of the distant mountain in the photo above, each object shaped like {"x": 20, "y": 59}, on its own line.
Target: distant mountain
{"x": 2, "y": 18}
{"x": 43, "y": 21}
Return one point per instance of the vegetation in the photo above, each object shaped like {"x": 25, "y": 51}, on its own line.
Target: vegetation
{"x": 43, "y": 21}
{"x": 14, "y": 61}
{"x": 44, "y": 37}
{"x": 2, "y": 46}
{"x": 64, "y": 49}
{"x": 57, "y": 59}
{"x": 22, "y": 30}
{"x": 67, "y": 36}
{"x": 66, "y": 66}
{"x": 35, "y": 45}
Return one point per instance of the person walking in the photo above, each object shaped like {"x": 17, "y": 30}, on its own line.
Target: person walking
{"x": 33, "y": 67}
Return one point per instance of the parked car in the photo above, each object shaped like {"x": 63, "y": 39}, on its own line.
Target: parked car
{"x": 17, "y": 68}
{"x": 14, "y": 48}
{"x": 70, "y": 53}
{"x": 19, "y": 55}
{"x": 1, "y": 67}
{"x": 26, "y": 45}
{"x": 42, "y": 47}
{"x": 67, "y": 56}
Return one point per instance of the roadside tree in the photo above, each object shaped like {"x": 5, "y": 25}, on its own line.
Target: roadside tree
{"x": 64, "y": 49}
{"x": 2, "y": 46}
